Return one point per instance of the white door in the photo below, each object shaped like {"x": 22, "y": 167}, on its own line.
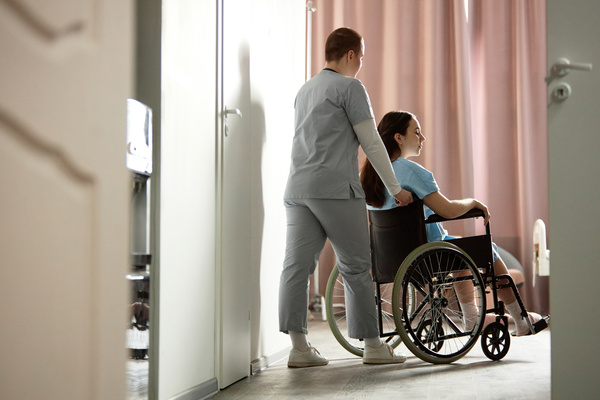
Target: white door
{"x": 65, "y": 76}
{"x": 574, "y": 165}
{"x": 234, "y": 180}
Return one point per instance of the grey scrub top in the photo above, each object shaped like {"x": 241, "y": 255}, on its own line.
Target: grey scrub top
{"x": 324, "y": 161}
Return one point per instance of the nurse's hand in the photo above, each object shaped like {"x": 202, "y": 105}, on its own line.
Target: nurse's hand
{"x": 403, "y": 198}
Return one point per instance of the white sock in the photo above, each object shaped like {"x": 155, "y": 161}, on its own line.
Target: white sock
{"x": 374, "y": 342}
{"x": 299, "y": 341}
{"x": 470, "y": 312}
{"x": 515, "y": 312}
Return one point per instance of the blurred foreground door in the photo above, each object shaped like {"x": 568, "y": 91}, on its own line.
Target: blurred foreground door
{"x": 573, "y": 141}
{"x": 65, "y": 75}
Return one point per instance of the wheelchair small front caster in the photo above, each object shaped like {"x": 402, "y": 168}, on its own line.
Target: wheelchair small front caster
{"x": 495, "y": 341}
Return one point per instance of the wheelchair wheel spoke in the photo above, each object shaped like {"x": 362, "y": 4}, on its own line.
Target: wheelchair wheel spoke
{"x": 435, "y": 330}
{"x": 335, "y": 306}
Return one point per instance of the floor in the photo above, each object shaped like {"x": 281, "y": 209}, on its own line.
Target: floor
{"x": 137, "y": 368}
{"x": 523, "y": 374}
{"x": 137, "y": 379}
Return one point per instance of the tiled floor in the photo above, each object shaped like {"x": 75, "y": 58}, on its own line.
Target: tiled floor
{"x": 523, "y": 374}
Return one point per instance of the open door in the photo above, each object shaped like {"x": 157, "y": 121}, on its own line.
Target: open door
{"x": 233, "y": 237}
{"x": 65, "y": 77}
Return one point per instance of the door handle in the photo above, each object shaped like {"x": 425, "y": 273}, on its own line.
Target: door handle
{"x": 563, "y": 66}
{"x": 227, "y": 112}
{"x": 235, "y": 111}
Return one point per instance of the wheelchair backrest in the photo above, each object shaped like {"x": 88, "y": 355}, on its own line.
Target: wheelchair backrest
{"x": 394, "y": 234}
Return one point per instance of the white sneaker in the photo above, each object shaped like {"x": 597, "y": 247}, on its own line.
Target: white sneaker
{"x": 308, "y": 358}
{"x": 382, "y": 355}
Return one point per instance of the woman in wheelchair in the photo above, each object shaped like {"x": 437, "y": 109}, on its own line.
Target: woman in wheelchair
{"x": 401, "y": 134}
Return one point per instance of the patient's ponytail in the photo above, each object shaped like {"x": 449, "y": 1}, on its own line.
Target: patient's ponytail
{"x": 391, "y": 123}
{"x": 372, "y": 185}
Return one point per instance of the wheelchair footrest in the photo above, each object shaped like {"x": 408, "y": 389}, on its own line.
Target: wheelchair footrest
{"x": 541, "y": 324}
{"x": 537, "y": 327}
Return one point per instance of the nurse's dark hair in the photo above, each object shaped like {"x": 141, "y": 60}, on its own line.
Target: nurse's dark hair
{"x": 391, "y": 123}
{"x": 340, "y": 42}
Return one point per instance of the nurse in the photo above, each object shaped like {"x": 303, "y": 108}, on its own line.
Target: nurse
{"x": 324, "y": 199}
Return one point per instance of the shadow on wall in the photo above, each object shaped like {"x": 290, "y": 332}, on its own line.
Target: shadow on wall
{"x": 256, "y": 128}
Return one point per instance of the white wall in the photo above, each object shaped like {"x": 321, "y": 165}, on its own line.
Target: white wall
{"x": 187, "y": 197}
{"x": 276, "y": 74}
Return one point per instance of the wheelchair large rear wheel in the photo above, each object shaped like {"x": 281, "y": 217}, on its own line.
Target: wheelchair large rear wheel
{"x": 431, "y": 323}
{"x": 335, "y": 307}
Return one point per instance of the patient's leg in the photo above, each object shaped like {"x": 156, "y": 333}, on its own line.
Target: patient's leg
{"x": 466, "y": 297}
{"x": 513, "y": 308}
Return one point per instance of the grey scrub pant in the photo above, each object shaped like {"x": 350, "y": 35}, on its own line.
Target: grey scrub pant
{"x": 309, "y": 223}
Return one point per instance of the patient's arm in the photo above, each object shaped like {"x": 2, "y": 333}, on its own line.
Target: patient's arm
{"x": 446, "y": 208}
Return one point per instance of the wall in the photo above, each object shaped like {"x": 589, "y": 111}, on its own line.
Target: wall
{"x": 187, "y": 198}
{"x": 276, "y": 74}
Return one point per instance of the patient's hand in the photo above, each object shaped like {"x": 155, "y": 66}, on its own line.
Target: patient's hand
{"x": 485, "y": 210}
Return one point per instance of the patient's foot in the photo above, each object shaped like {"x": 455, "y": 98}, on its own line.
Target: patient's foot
{"x": 523, "y": 327}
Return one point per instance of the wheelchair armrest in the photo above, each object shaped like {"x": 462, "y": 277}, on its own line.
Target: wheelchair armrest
{"x": 473, "y": 213}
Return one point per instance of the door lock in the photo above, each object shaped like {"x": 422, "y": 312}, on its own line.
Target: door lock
{"x": 562, "y": 91}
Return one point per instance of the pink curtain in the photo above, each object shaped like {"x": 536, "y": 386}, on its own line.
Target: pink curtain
{"x": 473, "y": 73}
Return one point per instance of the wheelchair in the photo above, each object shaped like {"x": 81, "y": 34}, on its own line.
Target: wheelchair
{"x": 416, "y": 284}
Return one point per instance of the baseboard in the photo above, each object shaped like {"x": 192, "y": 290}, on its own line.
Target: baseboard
{"x": 210, "y": 388}
{"x": 264, "y": 362}
{"x": 203, "y": 391}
